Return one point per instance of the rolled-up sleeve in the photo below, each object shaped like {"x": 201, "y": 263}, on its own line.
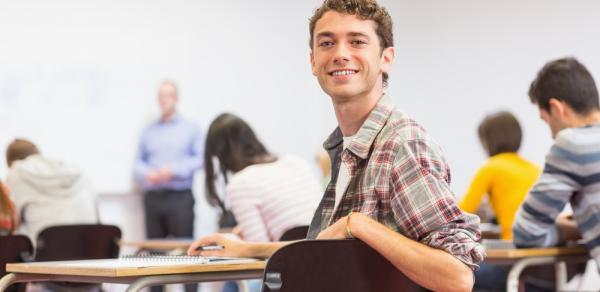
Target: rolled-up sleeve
{"x": 425, "y": 208}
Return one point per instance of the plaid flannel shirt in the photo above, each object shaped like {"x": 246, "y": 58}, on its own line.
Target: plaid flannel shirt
{"x": 399, "y": 177}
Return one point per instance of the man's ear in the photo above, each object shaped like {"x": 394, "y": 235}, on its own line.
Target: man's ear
{"x": 557, "y": 107}
{"x": 312, "y": 62}
{"x": 388, "y": 55}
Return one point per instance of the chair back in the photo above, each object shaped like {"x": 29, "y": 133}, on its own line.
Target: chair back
{"x": 296, "y": 233}
{"x": 14, "y": 249}
{"x": 332, "y": 265}
{"x": 78, "y": 242}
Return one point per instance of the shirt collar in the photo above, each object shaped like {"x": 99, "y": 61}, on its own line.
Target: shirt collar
{"x": 174, "y": 119}
{"x": 367, "y": 133}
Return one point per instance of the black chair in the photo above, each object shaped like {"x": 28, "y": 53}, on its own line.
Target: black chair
{"x": 14, "y": 249}
{"x": 332, "y": 265}
{"x": 295, "y": 233}
{"x": 78, "y": 242}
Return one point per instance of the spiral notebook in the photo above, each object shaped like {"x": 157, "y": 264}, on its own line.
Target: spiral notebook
{"x": 143, "y": 261}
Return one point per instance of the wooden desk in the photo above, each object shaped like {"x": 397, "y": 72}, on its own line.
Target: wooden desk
{"x": 521, "y": 258}
{"x": 110, "y": 271}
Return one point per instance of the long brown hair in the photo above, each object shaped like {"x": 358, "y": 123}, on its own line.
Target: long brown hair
{"x": 7, "y": 209}
{"x": 233, "y": 143}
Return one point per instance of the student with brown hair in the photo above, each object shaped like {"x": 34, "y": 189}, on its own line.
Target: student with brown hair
{"x": 268, "y": 194}
{"x": 46, "y": 191}
{"x": 390, "y": 180}
{"x": 567, "y": 99}
{"x": 8, "y": 215}
{"x": 505, "y": 177}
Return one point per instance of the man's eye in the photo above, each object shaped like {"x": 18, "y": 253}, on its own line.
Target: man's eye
{"x": 358, "y": 42}
{"x": 326, "y": 44}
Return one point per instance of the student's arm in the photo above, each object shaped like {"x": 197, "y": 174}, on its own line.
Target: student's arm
{"x": 479, "y": 187}
{"x": 437, "y": 242}
{"x": 194, "y": 158}
{"x": 535, "y": 223}
{"x": 234, "y": 247}
{"x": 431, "y": 268}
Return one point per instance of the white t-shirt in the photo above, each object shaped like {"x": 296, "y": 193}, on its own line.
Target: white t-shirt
{"x": 343, "y": 178}
{"x": 270, "y": 198}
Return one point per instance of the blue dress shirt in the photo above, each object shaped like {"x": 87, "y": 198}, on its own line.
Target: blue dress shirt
{"x": 177, "y": 144}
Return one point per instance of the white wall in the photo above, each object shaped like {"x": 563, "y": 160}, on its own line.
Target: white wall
{"x": 79, "y": 77}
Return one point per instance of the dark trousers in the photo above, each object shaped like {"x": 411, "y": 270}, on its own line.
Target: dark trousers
{"x": 170, "y": 213}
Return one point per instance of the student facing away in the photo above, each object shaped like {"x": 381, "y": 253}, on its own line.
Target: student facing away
{"x": 47, "y": 192}
{"x": 268, "y": 195}
{"x": 506, "y": 177}
{"x": 567, "y": 99}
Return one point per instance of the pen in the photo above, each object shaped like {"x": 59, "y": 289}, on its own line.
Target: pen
{"x": 210, "y": 247}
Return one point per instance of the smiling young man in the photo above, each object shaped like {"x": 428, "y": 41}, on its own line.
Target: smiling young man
{"x": 390, "y": 181}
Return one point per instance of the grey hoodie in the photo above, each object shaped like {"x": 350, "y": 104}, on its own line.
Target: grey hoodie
{"x": 49, "y": 192}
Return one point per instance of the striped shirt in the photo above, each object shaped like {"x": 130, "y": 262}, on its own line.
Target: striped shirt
{"x": 400, "y": 178}
{"x": 571, "y": 174}
{"x": 270, "y": 198}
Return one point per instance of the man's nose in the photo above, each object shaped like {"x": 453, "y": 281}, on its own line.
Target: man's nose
{"x": 342, "y": 54}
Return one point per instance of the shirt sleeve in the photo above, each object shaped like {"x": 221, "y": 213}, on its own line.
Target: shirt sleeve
{"x": 245, "y": 205}
{"x": 425, "y": 208}
{"x": 534, "y": 224}
{"x": 479, "y": 187}
{"x": 140, "y": 165}
{"x": 193, "y": 159}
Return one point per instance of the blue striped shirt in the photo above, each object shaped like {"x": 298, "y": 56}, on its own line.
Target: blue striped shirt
{"x": 571, "y": 175}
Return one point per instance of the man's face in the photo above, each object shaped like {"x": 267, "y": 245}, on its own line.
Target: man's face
{"x": 346, "y": 55}
{"x": 167, "y": 99}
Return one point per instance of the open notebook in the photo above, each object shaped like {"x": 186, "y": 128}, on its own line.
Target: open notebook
{"x": 142, "y": 261}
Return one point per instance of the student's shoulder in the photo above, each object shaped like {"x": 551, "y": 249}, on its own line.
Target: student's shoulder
{"x": 580, "y": 139}
{"x": 405, "y": 132}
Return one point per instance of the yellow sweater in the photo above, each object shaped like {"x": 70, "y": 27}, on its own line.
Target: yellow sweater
{"x": 506, "y": 178}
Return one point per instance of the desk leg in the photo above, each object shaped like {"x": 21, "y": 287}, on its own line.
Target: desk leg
{"x": 7, "y": 280}
{"x": 192, "y": 278}
{"x": 512, "y": 283}
{"x": 242, "y": 286}
{"x": 12, "y": 278}
{"x": 560, "y": 269}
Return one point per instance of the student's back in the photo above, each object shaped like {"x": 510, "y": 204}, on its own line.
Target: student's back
{"x": 571, "y": 174}
{"x": 267, "y": 199}
{"x": 506, "y": 178}
{"x": 48, "y": 192}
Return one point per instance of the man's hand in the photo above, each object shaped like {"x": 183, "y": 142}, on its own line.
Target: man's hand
{"x": 153, "y": 177}
{"x": 335, "y": 231}
{"x": 165, "y": 174}
{"x": 232, "y": 246}
{"x": 568, "y": 228}
{"x": 339, "y": 229}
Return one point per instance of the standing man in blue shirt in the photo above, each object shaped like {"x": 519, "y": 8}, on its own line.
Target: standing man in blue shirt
{"x": 170, "y": 151}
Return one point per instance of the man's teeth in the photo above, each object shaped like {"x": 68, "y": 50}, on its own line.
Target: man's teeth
{"x": 343, "y": 73}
